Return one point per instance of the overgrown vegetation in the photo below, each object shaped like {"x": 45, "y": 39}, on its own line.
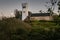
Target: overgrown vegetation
{"x": 15, "y": 29}
{"x": 45, "y": 30}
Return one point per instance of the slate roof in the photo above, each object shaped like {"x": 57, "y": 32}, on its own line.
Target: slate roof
{"x": 40, "y": 14}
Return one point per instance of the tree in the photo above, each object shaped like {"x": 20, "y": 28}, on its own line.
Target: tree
{"x": 40, "y": 11}
{"x": 58, "y": 7}
{"x": 29, "y": 13}
{"x": 18, "y": 14}
{"x": 52, "y": 6}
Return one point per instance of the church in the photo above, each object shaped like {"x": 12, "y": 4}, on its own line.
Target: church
{"x": 25, "y": 14}
{"x": 41, "y": 16}
{"x": 34, "y": 16}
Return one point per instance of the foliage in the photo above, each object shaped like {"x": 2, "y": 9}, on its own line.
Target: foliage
{"x": 13, "y": 29}
{"x": 58, "y": 6}
{"x": 18, "y": 14}
{"x": 51, "y": 6}
{"x": 45, "y": 30}
{"x": 56, "y": 18}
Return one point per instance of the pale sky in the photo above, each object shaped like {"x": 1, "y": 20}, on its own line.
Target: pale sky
{"x": 7, "y": 7}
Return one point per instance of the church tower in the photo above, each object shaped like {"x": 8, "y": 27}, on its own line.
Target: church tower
{"x": 24, "y": 11}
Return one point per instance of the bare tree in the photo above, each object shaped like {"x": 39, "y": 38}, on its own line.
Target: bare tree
{"x": 51, "y": 7}
{"x": 58, "y": 7}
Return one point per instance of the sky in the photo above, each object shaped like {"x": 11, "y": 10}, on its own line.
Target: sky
{"x": 7, "y": 7}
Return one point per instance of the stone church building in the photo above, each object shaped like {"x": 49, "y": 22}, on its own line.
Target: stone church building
{"x": 25, "y": 15}
{"x": 41, "y": 16}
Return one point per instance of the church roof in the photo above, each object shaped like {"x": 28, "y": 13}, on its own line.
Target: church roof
{"x": 40, "y": 14}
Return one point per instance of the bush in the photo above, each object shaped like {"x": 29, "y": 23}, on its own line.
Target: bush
{"x": 45, "y": 30}
{"x": 14, "y": 29}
